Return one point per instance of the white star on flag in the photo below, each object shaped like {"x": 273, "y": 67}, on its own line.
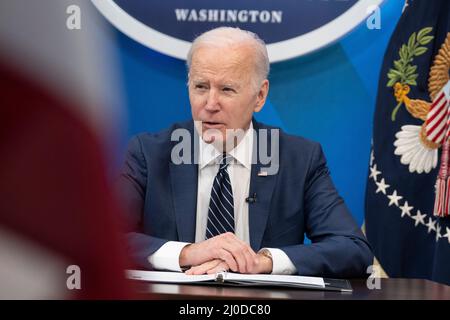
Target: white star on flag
{"x": 405, "y": 6}
{"x": 438, "y": 232}
{"x": 394, "y": 198}
{"x": 382, "y": 186}
{"x": 431, "y": 225}
{"x": 374, "y": 172}
{"x": 447, "y": 235}
{"x": 419, "y": 218}
{"x": 406, "y": 210}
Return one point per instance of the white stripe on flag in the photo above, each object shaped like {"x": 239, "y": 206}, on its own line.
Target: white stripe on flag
{"x": 438, "y": 118}
{"x": 434, "y": 115}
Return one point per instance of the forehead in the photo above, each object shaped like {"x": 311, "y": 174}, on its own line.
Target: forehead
{"x": 226, "y": 62}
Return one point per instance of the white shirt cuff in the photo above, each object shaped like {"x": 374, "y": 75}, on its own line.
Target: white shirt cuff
{"x": 168, "y": 256}
{"x": 281, "y": 264}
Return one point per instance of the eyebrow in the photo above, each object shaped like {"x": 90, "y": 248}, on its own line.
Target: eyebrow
{"x": 198, "y": 81}
{"x": 225, "y": 84}
{"x": 231, "y": 84}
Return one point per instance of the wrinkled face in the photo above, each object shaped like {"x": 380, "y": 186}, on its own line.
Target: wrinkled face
{"x": 222, "y": 90}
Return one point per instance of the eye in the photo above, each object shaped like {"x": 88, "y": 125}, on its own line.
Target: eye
{"x": 201, "y": 86}
{"x": 228, "y": 89}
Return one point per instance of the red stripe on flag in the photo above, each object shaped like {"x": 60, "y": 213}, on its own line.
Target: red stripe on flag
{"x": 433, "y": 128}
{"x": 439, "y": 137}
{"x": 432, "y": 109}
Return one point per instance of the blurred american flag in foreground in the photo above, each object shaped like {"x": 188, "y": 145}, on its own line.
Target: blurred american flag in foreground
{"x": 60, "y": 115}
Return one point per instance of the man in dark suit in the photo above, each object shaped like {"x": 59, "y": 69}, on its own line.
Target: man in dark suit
{"x": 226, "y": 192}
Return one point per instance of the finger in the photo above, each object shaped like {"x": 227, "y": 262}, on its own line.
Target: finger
{"x": 206, "y": 266}
{"x": 236, "y": 250}
{"x": 251, "y": 260}
{"x": 249, "y": 255}
{"x": 229, "y": 259}
{"x": 241, "y": 251}
{"x": 216, "y": 250}
{"x": 222, "y": 266}
{"x": 201, "y": 269}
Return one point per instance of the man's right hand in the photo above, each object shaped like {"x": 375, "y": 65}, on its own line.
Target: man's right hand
{"x": 237, "y": 254}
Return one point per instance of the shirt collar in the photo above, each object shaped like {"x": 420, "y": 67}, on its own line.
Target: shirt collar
{"x": 242, "y": 153}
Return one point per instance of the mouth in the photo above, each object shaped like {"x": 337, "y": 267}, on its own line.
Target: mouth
{"x": 212, "y": 125}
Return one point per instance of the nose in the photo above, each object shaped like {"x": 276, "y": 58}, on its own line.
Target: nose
{"x": 212, "y": 102}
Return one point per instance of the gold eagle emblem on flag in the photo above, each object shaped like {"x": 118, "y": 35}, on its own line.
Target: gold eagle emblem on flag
{"x": 417, "y": 145}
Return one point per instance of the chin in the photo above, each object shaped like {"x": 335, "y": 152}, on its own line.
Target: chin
{"x": 212, "y": 136}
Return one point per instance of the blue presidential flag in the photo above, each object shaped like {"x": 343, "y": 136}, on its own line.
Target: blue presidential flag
{"x": 411, "y": 123}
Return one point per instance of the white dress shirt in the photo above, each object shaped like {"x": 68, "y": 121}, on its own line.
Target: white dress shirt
{"x": 167, "y": 257}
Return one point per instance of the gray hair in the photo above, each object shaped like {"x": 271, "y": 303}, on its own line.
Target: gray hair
{"x": 228, "y": 36}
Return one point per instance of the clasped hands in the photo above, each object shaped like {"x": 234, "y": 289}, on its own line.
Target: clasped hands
{"x": 223, "y": 253}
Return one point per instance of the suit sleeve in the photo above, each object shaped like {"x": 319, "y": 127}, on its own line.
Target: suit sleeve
{"x": 132, "y": 188}
{"x": 338, "y": 248}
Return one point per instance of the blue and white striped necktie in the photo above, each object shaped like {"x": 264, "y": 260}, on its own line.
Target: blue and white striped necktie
{"x": 221, "y": 205}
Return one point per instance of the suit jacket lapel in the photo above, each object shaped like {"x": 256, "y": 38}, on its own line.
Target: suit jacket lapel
{"x": 184, "y": 193}
{"x": 263, "y": 187}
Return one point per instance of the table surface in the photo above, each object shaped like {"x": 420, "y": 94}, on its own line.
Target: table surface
{"x": 390, "y": 289}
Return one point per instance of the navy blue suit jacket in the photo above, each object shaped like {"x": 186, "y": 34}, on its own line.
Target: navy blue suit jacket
{"x": 161, "y": 197}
